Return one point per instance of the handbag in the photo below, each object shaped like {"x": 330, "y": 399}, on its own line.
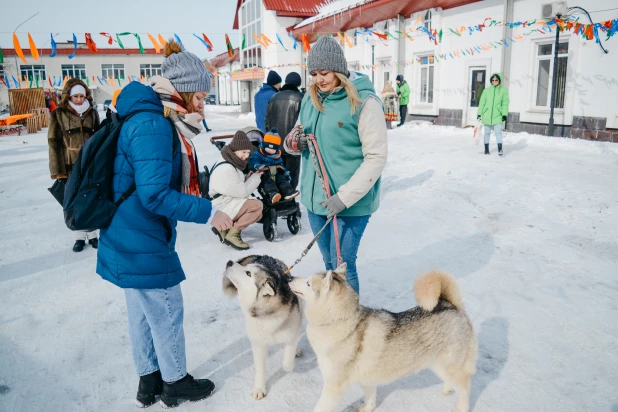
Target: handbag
{"x": 57, "y": 190}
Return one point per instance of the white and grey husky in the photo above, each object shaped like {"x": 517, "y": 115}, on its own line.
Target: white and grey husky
{"x": 272, "y": 312}
{"x": 371, "y": 347}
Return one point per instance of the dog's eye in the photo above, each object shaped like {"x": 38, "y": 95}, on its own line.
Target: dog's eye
{"x": 308, "y": 284}
{"x": 248, "y": 273}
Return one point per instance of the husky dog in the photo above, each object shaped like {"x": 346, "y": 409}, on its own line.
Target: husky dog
{"x": 371, "y": 347}
{"x": 272, "y": 312}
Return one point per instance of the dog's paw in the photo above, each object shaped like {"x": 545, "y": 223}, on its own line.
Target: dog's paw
{"x": 299, "y": 352}
{"x": 447, "y": 390}
{"x": 288, "y": 367}
{"x": 366, "y": 408}
{"x": 258, "y": 393}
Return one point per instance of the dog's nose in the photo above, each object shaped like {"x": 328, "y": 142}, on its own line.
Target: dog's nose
{"x": 230, "y": 263}
{"x": 287, "y": 278}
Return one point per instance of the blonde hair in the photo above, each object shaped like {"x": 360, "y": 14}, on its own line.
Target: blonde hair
{"x": 347, "y": 85}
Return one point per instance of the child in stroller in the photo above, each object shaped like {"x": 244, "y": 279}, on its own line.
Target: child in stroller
{"x": 276, "y": 181}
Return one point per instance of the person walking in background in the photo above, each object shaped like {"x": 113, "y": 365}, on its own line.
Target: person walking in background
{"x": 282, "y": 113}
{"x": 346, "y": 117}
{"x": 268, "y": 90}
{"x": 403, "y": 92}
{"x": 493, "y": 110}
{"x": 389, "y": 101}
{"x": 70, "y": 125}
{"x": 138, "y": 250}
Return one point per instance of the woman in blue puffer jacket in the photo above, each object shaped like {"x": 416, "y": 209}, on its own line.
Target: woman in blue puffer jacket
{"x": 137, "y": 251}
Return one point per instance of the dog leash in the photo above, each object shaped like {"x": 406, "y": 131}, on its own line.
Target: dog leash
{"x": 287, "y": 271}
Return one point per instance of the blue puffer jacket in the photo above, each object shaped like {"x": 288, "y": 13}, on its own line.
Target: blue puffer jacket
{"x": 258, "y": 158}
{"x": 261, "y": 103}
{"x": 138, "y": 249}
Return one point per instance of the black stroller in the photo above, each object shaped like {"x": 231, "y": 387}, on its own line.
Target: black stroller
{"x": 290, "y": 209}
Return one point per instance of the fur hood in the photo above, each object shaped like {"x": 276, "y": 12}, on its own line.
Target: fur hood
{"x": 67, "y": 89}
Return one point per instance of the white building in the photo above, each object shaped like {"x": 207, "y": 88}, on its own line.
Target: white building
{"x": 226, "y": 90}
{"x": 446, "y": 89}
{"x": 104, "y": 71}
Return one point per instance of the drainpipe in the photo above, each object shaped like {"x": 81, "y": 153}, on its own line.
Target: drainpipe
{"x": 401, "y": 45}
{"x": 506, "y": 51}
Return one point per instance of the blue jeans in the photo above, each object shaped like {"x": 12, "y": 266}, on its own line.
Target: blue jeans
{"x": 351, "y": 231}
{"x": 156, "y": 332}
{"x": 497, "y": 128}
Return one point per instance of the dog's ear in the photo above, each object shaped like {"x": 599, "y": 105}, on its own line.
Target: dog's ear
{"x": 268, "y": 289}
{"x": 328, "y": 280}
{"x": 341, "y": 271}
{"x": 228, "y": 287}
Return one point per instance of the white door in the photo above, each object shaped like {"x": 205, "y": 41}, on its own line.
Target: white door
{"x": 383, "y": 75}
{"x": 477, "y": 83}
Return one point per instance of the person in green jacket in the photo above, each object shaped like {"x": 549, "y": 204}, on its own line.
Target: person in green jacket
{"x": 403, "y": 91}
{"x": 343, "y": 112}
{"x": 493, "y": 109}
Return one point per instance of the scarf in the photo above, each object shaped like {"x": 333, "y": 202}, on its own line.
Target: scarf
{"x": 187, "y": 125}
{"x": 229, "y": 156}
{"x": 82, "y": 108}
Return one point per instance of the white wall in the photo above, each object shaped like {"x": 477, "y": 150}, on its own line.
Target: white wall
{"x": 275, "y": 54}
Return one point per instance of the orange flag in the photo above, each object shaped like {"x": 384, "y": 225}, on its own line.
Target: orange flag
{"x": 347, "y": 40}
{"x": 33, "y": 49}
{"x": 306, "y": 45}
{"x": 154, "y": 43}
{"x": 18, "y": 49}
{"x": 340, "y": 38}
{"x": 162, "y": 40}
{"x": 266, "y": 40}
{"x": 257, "y": 39}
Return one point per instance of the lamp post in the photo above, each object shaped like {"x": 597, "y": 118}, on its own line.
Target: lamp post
{"x": 550, "y": 128}
{"x": 373, "y": 46}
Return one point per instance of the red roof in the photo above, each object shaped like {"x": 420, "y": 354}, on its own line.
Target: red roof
{"x": 371, "y": 12}
{"x": 80, "y": 51}
{"x": 222, "y": 59}
{"x": 287, "y": 8}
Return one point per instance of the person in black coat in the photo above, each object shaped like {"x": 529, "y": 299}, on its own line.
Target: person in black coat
{"x": 282, "y": 113}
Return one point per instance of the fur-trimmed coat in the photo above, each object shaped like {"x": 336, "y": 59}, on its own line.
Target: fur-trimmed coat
{"x": 68, "y": 131}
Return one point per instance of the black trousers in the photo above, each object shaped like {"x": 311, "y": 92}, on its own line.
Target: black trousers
{"x": 281, "y": 186}
{"x": 292, "y": 163}
{"x": 403, "y": 113}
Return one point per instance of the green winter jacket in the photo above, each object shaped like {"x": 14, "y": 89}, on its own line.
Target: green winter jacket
{"x": 336, "y": 132}
{"x": 494, "y": 103}
{"x": 404, "y": 98}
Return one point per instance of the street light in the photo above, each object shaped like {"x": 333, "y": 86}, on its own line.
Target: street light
{"x": 15, "y": 30}
{"x": 373, "y": 45}
{"x": 550, "y": 128}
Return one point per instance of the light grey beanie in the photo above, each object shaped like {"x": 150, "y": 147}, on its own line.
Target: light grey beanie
{"x": 186, "y": 72}
{"x": 326, "y": 54}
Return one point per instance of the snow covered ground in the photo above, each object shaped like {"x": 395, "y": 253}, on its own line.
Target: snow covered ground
{"x": 532, "y": 238}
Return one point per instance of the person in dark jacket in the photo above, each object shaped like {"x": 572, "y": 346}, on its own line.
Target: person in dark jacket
{"x": 137, "y": 252}
{"x": 268, "y": 90}
{"x": 282, "y": 113}
{"x": 73, "y": 122}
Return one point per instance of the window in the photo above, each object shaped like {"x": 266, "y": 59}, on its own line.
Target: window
{"x": 34, "y": 71}
{"x": 386, "y": 25}
{"x": 251, "y": 27}
{"x": 545, "y": 70}
{"x": 2, "y": 70}
{"x": 113, "y": 70}
{"x": 426, "y": 89}
{"x": 149, "y": 70}
{"x": 427, "y": 20}
{"x": 354, "y": 37}
{"x": 77, "y": 71}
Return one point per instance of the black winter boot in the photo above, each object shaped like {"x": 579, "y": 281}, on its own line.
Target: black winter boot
{"x": 94, "y": 243}
{"x": 187, "y": 388}
{"x": 486, "y": 148}
{"x": 79, "y": 245}
{"x": 150, "y": 386}
{"x": 500, "y": 152}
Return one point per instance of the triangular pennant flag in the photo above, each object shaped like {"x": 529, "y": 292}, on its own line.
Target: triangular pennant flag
{"x": 1, "y": 57}
{"x": 34, "y": 51}
{"x": 295, "y": 42}
{"x": 266, "y": 40}
{"x": 90, "y": 43}
{"x": 139, "y": 43}
{"x": 126, "y": 33}
{"x": 154, "y": 43}
{"x": 74, "y": 47}
{"x": 280, "y": 41}
{"x": 306, "y": 45}
{"x": 208, "y": 42}
{"x": 257, "y": 39}
{"x": 340, "y": 38}
{"x": 347, "y": 40}
{"x": 110, "y": 40}
{"x": 18, "y": 49}
{"x": 203, "y": 41}
{"x": 228, "y": 43}
{"x": 53, "y": 46}
{"x": 179, "y": 41}
{"x": 162, "y": 41}
{"x": 244, "y": 42}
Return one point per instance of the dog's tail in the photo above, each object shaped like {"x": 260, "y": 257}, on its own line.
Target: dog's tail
{"x": 433, "y": 286}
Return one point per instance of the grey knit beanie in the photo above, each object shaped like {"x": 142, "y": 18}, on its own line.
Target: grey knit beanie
{"x": 186, "y": 72}
{"x": 326, "y": 54}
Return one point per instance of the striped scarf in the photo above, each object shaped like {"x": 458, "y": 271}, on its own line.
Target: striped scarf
{"x": 188, "y": 126}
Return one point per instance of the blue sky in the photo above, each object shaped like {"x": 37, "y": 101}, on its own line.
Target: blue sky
{"x": 215, "y": 18}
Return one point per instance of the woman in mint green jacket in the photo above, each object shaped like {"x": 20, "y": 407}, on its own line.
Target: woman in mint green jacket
{"x": 346, "y": 117}
{"x": 493, "y": 109}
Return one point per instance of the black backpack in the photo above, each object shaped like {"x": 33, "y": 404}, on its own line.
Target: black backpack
{"x": 88, "y": 197}
{"x": 204, "y": 180}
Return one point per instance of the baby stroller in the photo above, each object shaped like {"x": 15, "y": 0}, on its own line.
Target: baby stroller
{"x": 288, "y": 209}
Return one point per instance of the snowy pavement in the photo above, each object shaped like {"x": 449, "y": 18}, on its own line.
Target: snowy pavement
{"x": 532, "y": 238}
